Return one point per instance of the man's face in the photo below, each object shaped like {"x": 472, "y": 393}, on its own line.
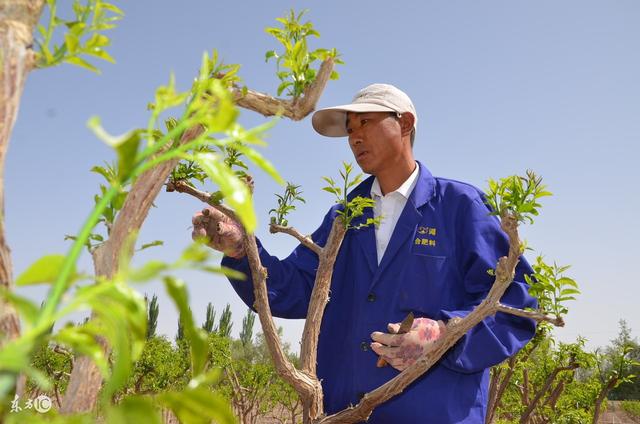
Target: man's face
{"x": 375, "y": 139}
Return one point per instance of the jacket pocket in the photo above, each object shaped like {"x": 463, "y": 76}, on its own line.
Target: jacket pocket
{"x": 423, "y": 289}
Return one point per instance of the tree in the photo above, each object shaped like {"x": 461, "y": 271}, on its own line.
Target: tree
{"x": 225, "y": 324}
{"x": 207, "y": 325}
{"x": 627, "y": 390}
{"x": 209, "y": 141}
{"x": 246, "y": 335}
{"x": 152, "y": 316}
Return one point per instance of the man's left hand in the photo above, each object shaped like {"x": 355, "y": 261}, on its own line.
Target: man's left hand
{"x": 402, "y": 350}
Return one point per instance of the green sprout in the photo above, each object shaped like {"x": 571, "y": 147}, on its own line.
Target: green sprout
{"x": 355, "y": 207}
{"x": 83, "y": 37}
{"x": 517, "y": 195}
{"x": 294, "y": 65}
{"x": 292, "y": 193}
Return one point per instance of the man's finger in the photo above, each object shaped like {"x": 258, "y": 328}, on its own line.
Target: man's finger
{"x": 198, "y": 232}
{"x": 387, "y": 339}
{"x": 225, "y": 230}
{"x": 386, "y": 352}
{"x": 393, "y": 327}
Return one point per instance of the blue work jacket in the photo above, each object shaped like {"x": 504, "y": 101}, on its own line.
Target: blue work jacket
{"x": 435, "y": 266}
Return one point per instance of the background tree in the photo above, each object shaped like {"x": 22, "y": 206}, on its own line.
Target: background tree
{"x": 152, "y": 315}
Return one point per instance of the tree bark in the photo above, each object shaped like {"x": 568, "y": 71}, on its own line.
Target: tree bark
{"x": 17, "y": 21}
{"x": 601, "y": 397}
{"x": 526, "y": 415}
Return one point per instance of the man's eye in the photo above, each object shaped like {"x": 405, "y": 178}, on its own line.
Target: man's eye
{"x": 363, "y": 121}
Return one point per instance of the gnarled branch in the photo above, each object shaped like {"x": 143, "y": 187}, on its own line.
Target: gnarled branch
{"x": 295, "y": 109}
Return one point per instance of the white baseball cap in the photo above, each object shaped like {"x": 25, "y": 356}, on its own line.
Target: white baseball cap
{"x": 332, "y": 121}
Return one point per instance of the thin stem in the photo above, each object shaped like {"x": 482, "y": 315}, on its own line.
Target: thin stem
{"x": 60, "y": 285}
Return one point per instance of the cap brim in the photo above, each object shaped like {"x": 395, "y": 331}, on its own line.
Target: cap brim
{"x": 332, "y": 121}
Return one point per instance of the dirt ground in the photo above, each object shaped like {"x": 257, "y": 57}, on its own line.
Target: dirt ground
{"x": 616, "y": 415}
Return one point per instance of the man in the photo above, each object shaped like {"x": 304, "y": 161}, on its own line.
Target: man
{"x": 429, "y": 255}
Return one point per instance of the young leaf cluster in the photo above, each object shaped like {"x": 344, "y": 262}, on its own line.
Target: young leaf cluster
{"x": 517, "y": 195}
{"x": 294, "y": 64}
{"x": 551, "y": 287}
{"x": 355, "y": 207}
{"x": 291, "y": 194}
{"x": 83, "y": 36}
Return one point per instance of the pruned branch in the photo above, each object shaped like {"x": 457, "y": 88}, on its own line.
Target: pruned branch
{"x": 307, "y": 385}
{"x": 317, "y": 304}
{"x": 305, "y": 240}
{"x": 182, "y": 187}
{"x": 295, "y": 109}
{"x": 535, "y": 315}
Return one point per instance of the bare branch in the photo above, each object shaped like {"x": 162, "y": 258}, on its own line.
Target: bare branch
{"x": 315, "y": 311}
{"x": 182, "y": 187}
{"x": 305, "y": 240}
{"x": 308, "y": 386}
{"x": 535, "y": 315}
{"x": 295, "y": 109}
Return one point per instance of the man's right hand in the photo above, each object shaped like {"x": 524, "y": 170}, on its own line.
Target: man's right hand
{"x": 223, "y": 233}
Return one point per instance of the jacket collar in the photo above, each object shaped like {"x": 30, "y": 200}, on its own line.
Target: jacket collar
{"x": 411, "y": 214}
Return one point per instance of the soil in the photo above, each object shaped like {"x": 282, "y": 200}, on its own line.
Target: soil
{"x": 616, "y": 415}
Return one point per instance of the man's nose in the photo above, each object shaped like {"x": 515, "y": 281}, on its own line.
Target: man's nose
{"x": 355, "y": 138}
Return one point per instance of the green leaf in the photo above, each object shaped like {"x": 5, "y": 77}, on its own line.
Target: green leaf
{"x": 195, "y": 335}
{"x": 44, "y": 270}
{"x": 149, "y": 271}
{"x": 126, "y": 146}
{"x": 27, "y": 309}
{"x": 262, "y": 162}
{"x": 75, "y": 60}
{"x": 235, "y": 191}
{"x": 228, "y": 272}
{"x": 133, "y": 409}
{"x": 197, "y": 406}
{"x": 151, "y": 244}
{"x": 269, "y": 55}
{"x": 85, "y": 343}
{"x": 101, "y": 54}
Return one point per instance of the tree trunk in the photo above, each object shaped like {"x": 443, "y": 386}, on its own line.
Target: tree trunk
{"x": 602, "y": 396}
{"x": 17, "y": 20}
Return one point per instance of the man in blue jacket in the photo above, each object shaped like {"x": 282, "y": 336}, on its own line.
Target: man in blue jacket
{"x": 429, "y": 255}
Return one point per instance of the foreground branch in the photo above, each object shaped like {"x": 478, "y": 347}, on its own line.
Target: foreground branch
{"x": 307, "y": 385}
{"x": 295, "y": 109}
{"x": 305, "y": 240}
{"x": 535, "y": 315}
{"x": 86, "y": 380}
{"x": 17, "y": 22}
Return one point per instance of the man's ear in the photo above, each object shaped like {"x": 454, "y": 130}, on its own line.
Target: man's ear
{"x": 406, "y": 123}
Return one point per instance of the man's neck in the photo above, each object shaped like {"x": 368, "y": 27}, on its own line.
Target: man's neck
{"x": 390, "y": 181}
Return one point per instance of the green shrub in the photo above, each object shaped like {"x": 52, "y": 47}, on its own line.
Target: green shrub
{"x": 632, "y": 407}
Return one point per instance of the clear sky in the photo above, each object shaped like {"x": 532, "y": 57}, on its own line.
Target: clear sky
{"x": 499, "y": 86}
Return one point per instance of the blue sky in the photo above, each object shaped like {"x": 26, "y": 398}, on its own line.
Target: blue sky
{"x": 499, "y": 86}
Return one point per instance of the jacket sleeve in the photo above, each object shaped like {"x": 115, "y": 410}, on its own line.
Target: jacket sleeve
{"x": 481, "y": 242}
{"x": 289, "y": 281}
